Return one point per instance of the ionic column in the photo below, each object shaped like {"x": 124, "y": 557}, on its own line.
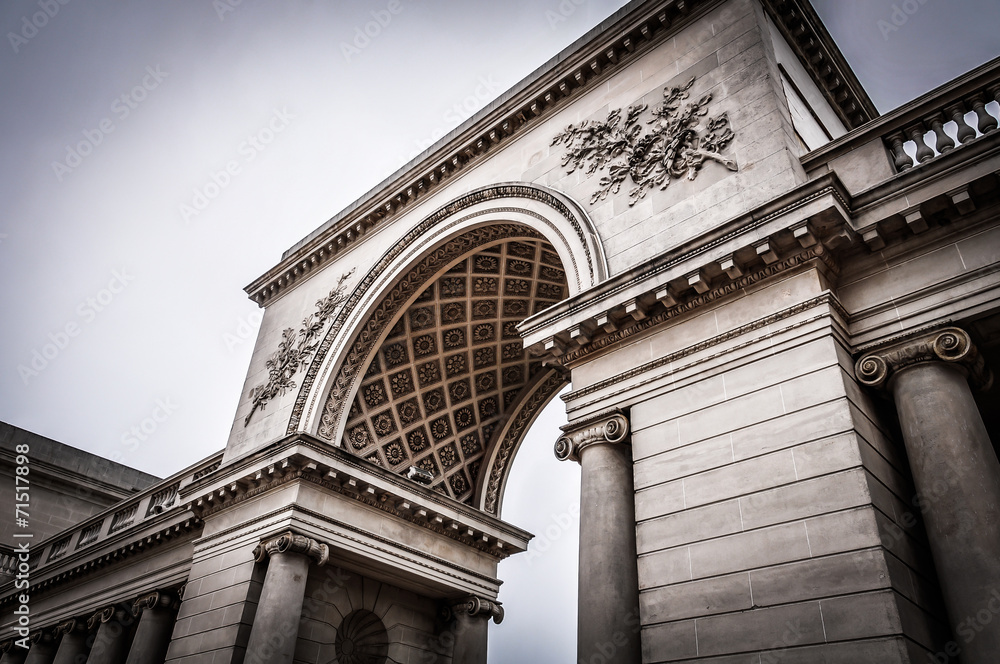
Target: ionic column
{"x": 73, "y": 644}
{"x": 276, "y": 624}
{"x": 471, "y": 620}
{"x": 955, "y": 470}
{"x": 43, "y": 647}
{"x": 11, "y": 653}
{"x": 157, "y": 613}
{"x": 111, "y": 642}
{"x": 608, "y": 620}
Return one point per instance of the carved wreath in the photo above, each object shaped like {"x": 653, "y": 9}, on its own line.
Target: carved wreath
{"x": 672, "y": 148}
{"x": 296, "y": 349}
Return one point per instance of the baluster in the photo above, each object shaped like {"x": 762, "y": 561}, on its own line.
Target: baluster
{"x": 957, "y": 113}
{"x": 944, "y": 142}
{"x": 916, "y": 134}
{"x": 993, "y": 92}
{"x": 987, "y": 122}
{"x": 899, "y": 156}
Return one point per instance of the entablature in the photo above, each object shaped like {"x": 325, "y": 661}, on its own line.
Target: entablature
{"x": 302, "y": 457}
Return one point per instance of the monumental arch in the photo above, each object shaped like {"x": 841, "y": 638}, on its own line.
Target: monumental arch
{"x": 776, "y": 311}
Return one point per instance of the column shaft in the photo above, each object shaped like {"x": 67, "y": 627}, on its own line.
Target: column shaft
{"x": 276, "y": 624}
{"x": 471, "y": 639}
{"x": 152, "y": 635}
{"x": 14, "y": 656}
{"x": 41, "y": 653}
{"x": 111, "y": 644}
{"x": 72, "y": 648}
{"x": 957, "y": 477}
{"x": 608, "y": 620}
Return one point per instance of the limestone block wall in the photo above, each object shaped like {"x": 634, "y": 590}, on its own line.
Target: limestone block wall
{"x": 763, "y": 507}
{"x": 220, "y": 599}
{"x": 333, "y": 594}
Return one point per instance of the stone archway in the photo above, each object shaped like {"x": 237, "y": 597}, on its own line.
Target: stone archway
{"x": 432, "y": 373}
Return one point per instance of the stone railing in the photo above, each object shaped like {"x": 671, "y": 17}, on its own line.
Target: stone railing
{"x": 117, "y": 520}
{"x": 8, "y": 561}
{"x": 952, "y": 117}
{"x": 949, "y": 123}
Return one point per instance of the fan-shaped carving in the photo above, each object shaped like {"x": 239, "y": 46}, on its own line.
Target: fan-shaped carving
{"x": 453, "y": 367}
{"x": 362, "y": 639}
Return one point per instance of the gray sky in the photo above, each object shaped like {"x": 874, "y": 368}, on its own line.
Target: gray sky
{"x": 140, "y": 301}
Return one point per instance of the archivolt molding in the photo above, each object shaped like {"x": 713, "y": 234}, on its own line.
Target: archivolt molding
{"x": 493, "y": 478}
{"x": 536, "y": 212}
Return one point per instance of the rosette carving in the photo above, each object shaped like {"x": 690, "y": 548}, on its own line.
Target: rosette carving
{"x": 610, "y": 426}
{"x": 949, "y": 344}
{"x": 289, "y": 542}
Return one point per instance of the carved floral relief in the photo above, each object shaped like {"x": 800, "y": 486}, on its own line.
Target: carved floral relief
{"x": 674, "y": 145}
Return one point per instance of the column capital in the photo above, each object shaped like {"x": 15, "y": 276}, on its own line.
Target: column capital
{"x": 609, "y": 426}
{"x": 42, "y": 637}
{"x": 163, "y": 599}
{"x": 6, "y": 646}
{"x": 290, "y": 542}
{"x": 102, "y": 616}
{"x": 69, "y": 626}
{"x": 948, "y": 344}
{"x": 477, "y": 607}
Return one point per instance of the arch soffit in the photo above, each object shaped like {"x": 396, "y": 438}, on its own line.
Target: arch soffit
{"x": 544, "y": 212}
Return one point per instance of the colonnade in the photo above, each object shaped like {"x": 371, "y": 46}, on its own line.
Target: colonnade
{"x": 930, "y": 378}
{"x": 112, "y": 635}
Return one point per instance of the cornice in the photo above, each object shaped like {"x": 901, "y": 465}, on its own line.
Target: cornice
{"x": 129, "y": 547}
{"x": 804, "y": 31}
{"x": 301, "y": 457}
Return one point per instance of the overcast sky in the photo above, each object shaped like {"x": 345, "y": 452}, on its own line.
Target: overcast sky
{"x": 140, "y": 298}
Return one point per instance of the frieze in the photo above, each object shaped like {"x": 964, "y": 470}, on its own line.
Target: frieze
{"x": 950, "y": 344}
{"x": 817, "y": 251}
{"x": 343, "y": 530}
{"x": 377, "y": 499}
{"x": 766, "y": 321}
{"x": 674, "y": 146}
{"x": 296, "y": 349}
